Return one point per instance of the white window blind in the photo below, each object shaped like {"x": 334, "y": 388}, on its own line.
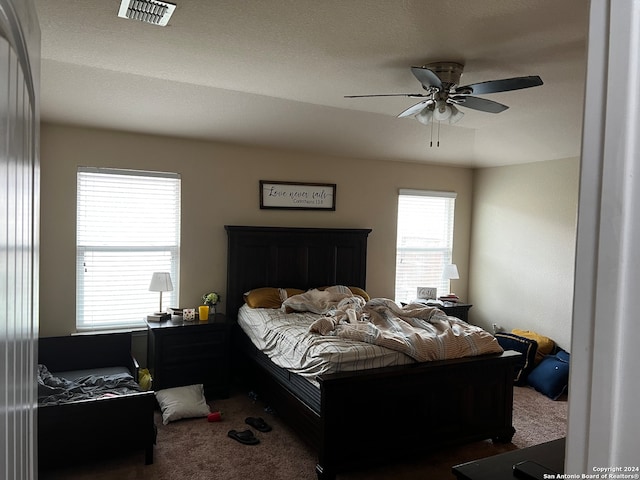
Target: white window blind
{"x": 128, "y": 226}
{"x": 425, "y": 241}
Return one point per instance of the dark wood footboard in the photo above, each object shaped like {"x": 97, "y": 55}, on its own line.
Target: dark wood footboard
{"x": 401, "y": 410}
{"x": 404, "y": 410}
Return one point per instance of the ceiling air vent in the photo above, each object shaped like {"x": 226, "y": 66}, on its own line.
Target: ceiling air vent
{"x": 148, "y": 11}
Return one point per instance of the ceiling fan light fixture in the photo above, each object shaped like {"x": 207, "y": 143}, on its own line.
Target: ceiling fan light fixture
{"x": 425, "y": 115}
{"x": 442, "y": 112}
{"x": 147, "y": 11}
{"x": 456, "y": 115}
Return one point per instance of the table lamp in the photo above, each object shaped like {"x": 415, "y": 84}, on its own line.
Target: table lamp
{"x": 161, "y": 282}
{"x": 450, "y": 272}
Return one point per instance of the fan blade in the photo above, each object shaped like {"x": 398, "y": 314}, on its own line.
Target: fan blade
{"x": 427, "y": 78}
{"x": 415, "y": 108}
{"x": 410, "y": 95}
{"x": 478, "y": 103}
{"x": 505, "y": 85}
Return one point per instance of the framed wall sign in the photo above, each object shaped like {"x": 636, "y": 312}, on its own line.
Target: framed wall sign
{"x": 297, "y": 195}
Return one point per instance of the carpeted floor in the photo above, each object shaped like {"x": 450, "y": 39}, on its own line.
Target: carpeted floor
{"x": 195, "y": 449}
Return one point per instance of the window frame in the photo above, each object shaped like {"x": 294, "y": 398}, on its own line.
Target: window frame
{"x": 131, "y": 314}
{"x": 404, "y": 293}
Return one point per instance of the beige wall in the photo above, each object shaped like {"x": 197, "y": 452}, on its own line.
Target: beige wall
{"x": 219, "y": 187}
{"x": 523, "y": 247}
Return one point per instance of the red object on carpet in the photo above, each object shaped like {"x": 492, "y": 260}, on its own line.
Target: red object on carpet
{"x": 214, "y": 417}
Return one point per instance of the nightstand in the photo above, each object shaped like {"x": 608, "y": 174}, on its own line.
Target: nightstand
{"x": 459, "y": 310}
{"x": 185, "y": 353}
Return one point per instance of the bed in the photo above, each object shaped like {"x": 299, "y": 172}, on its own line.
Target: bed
{"x": 355, "y": 419}
{"x": 103, "y": 412}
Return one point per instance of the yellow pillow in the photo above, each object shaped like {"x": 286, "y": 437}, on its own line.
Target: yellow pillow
{"x": 361, "y": 292}
{"x": 269, "y": 297}
{"x": 545, "y": 344}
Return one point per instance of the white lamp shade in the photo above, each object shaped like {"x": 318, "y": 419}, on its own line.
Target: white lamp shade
{"x": 450, "y": 272}
{"x": 425, "y": 115}
{"x": 456, "y": 115}
{"x": 442, "y": 112}
{"x": 161, "y": 282}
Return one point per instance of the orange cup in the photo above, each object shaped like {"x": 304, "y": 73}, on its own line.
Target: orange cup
{"x": 203, "y": 311}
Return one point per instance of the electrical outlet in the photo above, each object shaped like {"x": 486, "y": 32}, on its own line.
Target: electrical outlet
{"x": 427, "y": 293}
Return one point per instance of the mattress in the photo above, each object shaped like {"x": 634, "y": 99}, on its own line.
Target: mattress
{"x": 286, "y": 340}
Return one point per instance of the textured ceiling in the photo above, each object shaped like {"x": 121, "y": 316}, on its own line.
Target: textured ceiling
{"x": 275, "y": 72}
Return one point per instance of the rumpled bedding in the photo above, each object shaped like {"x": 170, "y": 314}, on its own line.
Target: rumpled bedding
{"x": 54, "y": 390}
{"x": 285, "y": 338}
{"x": 421, "y": 332}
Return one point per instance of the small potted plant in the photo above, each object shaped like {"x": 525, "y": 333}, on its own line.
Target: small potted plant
{"x": 211, "y": 299}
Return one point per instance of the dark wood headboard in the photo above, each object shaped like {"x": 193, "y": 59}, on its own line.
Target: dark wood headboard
{"x": 293, "y": 257}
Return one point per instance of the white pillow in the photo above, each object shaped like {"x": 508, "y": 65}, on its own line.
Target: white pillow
{"x": 182, "y": 402}
{"x": 317, "y": 301}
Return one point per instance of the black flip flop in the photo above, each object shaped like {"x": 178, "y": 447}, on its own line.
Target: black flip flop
{"x": 245, "y": 437}
{"x": 258, "y": 423}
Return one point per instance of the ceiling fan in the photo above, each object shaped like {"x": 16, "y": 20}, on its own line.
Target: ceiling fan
{"x": 443, "y": 95}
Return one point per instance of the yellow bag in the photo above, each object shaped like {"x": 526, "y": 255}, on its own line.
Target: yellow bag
{"x": 144, "y": 379}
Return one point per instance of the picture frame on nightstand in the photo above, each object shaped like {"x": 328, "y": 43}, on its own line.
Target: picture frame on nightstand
{"x": 427, "y": 293}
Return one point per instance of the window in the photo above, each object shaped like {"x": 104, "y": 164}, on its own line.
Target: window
{"x": 128, "y": 226}
{"x": 425, "y": 241}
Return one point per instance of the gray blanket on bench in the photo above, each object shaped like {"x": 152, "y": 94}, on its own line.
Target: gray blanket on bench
{"x": 54, "y": 390}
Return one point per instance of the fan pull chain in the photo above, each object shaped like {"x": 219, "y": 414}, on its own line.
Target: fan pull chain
{"x": 431, "y": 139}
{"x": 437, "y": 136}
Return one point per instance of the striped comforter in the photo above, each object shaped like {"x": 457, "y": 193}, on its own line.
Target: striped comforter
{"x": 285, "y": 338}
{"x": 347, "y": 334}
{"x": 423, "y": 333}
